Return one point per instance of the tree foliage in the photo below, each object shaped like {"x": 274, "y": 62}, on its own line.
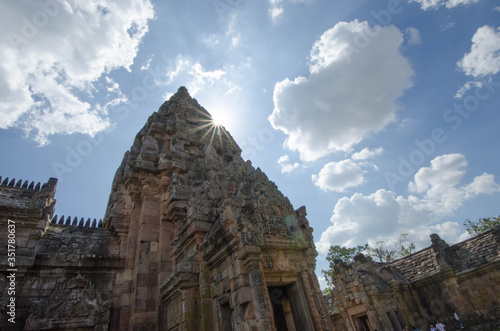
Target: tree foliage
{"x": 482, "y": 225}
{"x": 339, "y": 253}
{"x": 394, "y": 250}
{"x": 382, "y": 251}
{"x": 344, "y": 254}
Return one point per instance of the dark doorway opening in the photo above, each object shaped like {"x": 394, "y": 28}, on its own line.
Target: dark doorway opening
{"x": 278, "y": 296}
{"x": 290, "y": 309}
{"x": 363, "y": 323}
{"x": 225, "y": 316}
{"x": 394, "y": 321}
{"x": 400, "y": 318}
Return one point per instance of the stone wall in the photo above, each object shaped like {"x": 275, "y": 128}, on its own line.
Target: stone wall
{"x": 70, "y": 283}
{"x": 423, "y": 287}
{"x": 63, "y": 274}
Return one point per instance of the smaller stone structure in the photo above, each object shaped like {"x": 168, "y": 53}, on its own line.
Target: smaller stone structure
{"x": 62, "y": 268}
{"x": 421, "y": 288}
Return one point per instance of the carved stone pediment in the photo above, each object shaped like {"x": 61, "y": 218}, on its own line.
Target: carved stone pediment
{"x": 75, "y": 304}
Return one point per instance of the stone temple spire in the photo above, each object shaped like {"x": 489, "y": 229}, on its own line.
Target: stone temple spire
{"x": 187, "y": 209}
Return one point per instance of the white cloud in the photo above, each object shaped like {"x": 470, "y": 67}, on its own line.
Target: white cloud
{"x": 286, "y": 165}
{"x": 322, "y": 282}
{"x": 216, "y": 87}
{"x": 55, "y": 58}
{"x": 232, "y": 87}
{"x": 211, "y": 40}
{"x": 481, "y": 184}
{"x": 446, "y": 227}
{"x": 233, "y": 36}
{"x": 449, "y": 231}
{"x": 447, "y": 26}
{"x": 338, "y": 176}
{"x": 466, "y": 87}
{"x": 276, "y": 9}
{"x": 367, "y": 153}
{"x": 356, "y": 75}
{"x": 444, "y": 173}
{"x": 195, "y": 75}
{"x": 167, "y": 95}
{"x": 464, "y": 236}
{"x": 439, "y": 183}
{"x": 235, "y": 41}
{"x": 484, "y": 56}
{"x": 413, "y": 36}
{"x": 197, "y": 78}
{"x": 435, "y": 4}
{"x": 382, "y": 216}
{"x": 455, "y": 3}
{"x": 146, "y": 65}
{"x": 276, "y": 12}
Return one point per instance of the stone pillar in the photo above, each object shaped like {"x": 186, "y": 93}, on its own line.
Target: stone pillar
{"x": 301, "y": 306}
{"x": 262, "y": 307}
{"x": 324, "y": 315}
{"x": 165, "y": 249}
{"x": 189, "y": 309}
{"x": 313, "y": 308}
{"x": 206, "y": 301}
{"x": 146, "y": 266}
{"x": 263, "y": 310}
{"x": 290, "y": 324}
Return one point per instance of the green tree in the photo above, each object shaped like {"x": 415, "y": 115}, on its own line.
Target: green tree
{"x": 382, "y": 253}
{"x": 405, "y": 246}
{"x": 339, "y": 253}
{"x": 482, "y": 225}
{"x": 396, "y": 249}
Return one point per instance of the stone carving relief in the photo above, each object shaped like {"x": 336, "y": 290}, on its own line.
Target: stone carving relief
{"x": 283, "y": 260}
{"x": 75, "y": 304}
{"x": 274, "y": 226}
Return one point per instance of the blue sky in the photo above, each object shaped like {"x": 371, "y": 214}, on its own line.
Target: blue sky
{"x": 380, "y": 117}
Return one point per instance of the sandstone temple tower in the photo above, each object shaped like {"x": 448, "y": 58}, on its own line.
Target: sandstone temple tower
{"x": 208, "y": 240}
{"x": 194, "y": 238}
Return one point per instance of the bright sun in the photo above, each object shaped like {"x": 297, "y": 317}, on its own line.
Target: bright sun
{"x": 223, "y": 114}
{"x": 217, "y": 118}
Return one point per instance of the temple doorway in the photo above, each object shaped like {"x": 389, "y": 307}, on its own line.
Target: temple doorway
{"x": 279, "y": 298}
{"x": 290, "y": 309}
{"x": 363, "y": 323}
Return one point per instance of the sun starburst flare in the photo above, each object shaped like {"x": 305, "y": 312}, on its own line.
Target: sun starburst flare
{"x": 214, "y": 129}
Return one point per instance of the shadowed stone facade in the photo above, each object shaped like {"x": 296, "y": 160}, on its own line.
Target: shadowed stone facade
{"x": 64, "y": 273}
{"x": 194, "y": 238}
{"x": 421, "y": 288}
